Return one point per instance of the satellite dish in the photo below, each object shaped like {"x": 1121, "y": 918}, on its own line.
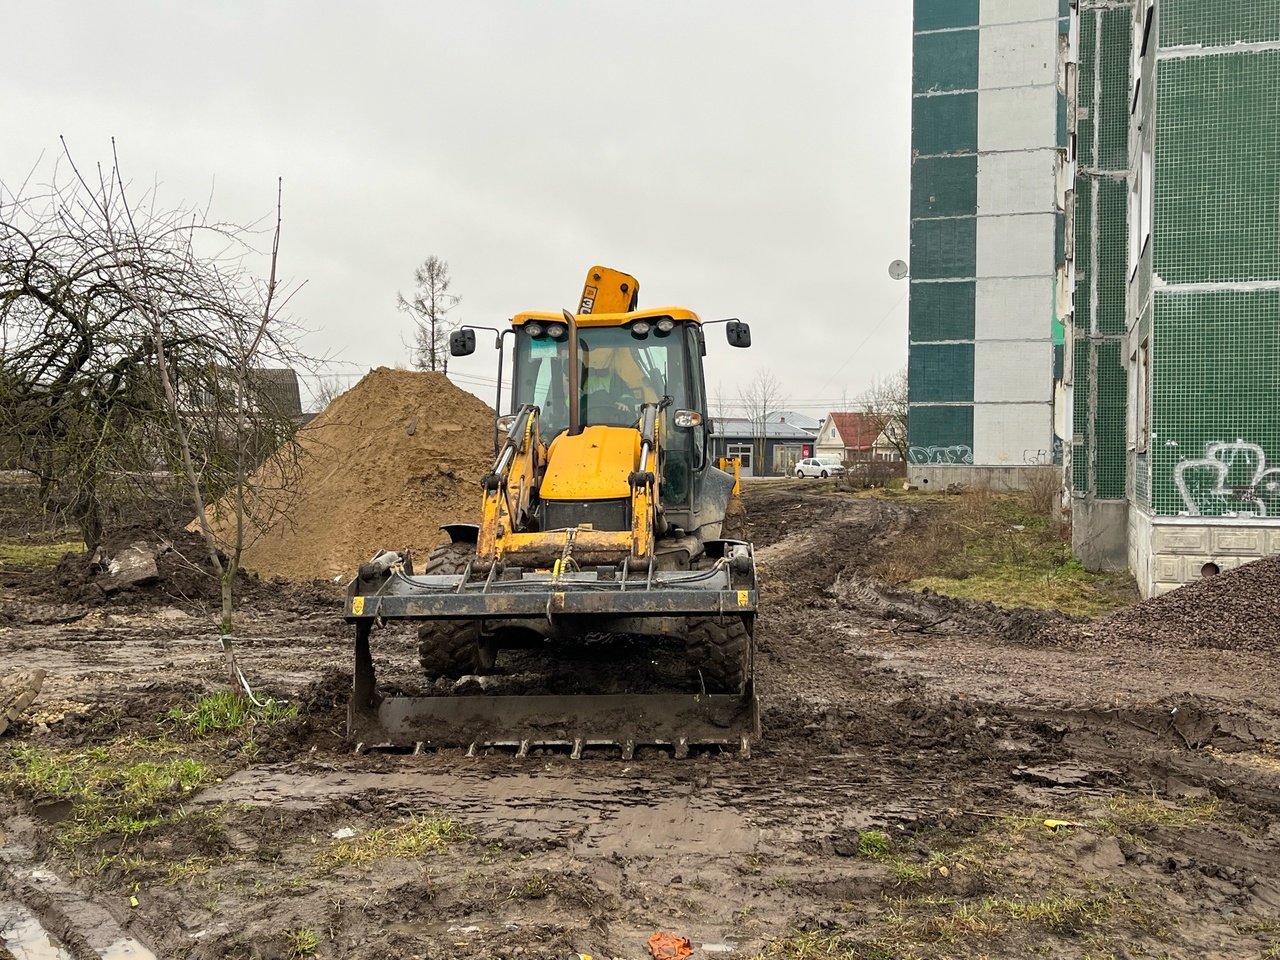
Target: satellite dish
{"x": 898, "y": 269}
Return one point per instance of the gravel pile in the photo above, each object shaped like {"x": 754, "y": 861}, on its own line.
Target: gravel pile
{"x": 1236, "y": 610}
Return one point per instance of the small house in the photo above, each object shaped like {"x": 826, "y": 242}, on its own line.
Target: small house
{"x": 771, "y": 449}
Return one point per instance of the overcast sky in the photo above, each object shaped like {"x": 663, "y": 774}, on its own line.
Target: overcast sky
{"x": 745, "y": 159}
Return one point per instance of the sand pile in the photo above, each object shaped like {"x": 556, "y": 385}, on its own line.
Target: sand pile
{"x": 383, "y": 466}
{"x": 1236, "y": 610}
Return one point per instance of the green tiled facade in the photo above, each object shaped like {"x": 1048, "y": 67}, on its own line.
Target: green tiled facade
{"x": 1109, "y": 421}
{"x": 1217, "y": 185}
{"x": 941, "y": 311}
{"x": 945, "y": 62}
{"x": 941, "y": 373}
{"x": 947, "y": 123}
{"x": 944, "y": 200}
{"x": 934, "y": 433}
{"x": 944, "y": 14}
{"x": 1216, "y": 402}
{"x": 1208, "y": 287}
{"x": 1217, "y": 23}
{"x": 1099, "y": 375}
{"x": 1188, "y": 238}
{"x": 941, "y": 249}
{"x": 944, "y": 187}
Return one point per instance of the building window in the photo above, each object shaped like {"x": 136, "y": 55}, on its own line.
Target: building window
{"x": 1139, "y": 206}
{"x": 1142, "y": 14}
{"x": 1146, "y": 210}
{"x": 1142, "y": 397}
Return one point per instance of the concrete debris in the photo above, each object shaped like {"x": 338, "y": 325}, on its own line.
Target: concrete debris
{"x": 17, "y": 692}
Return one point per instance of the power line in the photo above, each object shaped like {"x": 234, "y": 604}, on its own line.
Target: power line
{"x": 878, "y": 325}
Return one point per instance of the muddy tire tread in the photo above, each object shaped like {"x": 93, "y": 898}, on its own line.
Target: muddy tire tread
{"x": 449, "y": 648}
{"x": 719, "y": 654}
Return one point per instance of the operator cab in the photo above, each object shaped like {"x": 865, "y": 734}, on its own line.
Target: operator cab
{"x": 625, "y": 360}
{"x": 622, "y": 367}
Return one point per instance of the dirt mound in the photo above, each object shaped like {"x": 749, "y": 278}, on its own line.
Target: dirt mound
{"x": 180, "y": 572}
{"x": 1236, "y": 610}
{"x": 382, "y": 467}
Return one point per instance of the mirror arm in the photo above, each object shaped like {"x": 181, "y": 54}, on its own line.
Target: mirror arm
{"x": 497, "y": 403}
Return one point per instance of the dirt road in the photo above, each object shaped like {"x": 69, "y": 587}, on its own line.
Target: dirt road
{"x": 914, "y": 749}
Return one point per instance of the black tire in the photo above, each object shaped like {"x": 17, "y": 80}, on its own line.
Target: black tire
{"x": 823, "y": 475}
{"x": 450, "y": 559}
{"x": 719, "y": 654}
{"x": 452, "y": 648}
{"x": 799, "y": 474}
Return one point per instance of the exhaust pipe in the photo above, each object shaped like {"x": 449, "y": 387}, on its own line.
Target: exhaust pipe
{"x": 575, "y": 376}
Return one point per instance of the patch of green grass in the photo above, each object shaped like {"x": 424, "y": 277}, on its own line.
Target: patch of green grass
{"x": 35, "y": 556}
{"x": 125, "y": 787}
{"x": 535, "y": 887}
{"x": 925, "y": 923}
{"x": 874, "y": 844}
{"x": 119, "y": 790}
{"x": 302, "y": 942}
{"x": 415, "y": 838}
{"x": 1129, "y": 813}
{"x": 1057, "y": 913}
{"x": 226, "y": 712}
{"x": 1068, "y": 588}
{"x": 817, "y": 945}
{"x": 983, "y": 545}
{"x": 193, "y": 866}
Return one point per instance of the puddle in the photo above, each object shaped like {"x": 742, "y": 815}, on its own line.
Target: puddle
{"x": 126, "y": 949}
{"x": 22, "y": 934}
{"x": 24, "y": 937}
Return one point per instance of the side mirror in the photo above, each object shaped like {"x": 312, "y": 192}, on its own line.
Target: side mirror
{"x": 738, "y": 333}
{"x": 462, "y": 343}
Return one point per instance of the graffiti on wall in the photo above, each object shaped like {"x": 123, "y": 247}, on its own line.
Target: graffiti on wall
{"x": 1232, "y": 478}
{"x": 956, "y": 453}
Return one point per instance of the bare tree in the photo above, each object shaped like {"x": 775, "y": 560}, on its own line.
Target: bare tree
{"x": 429, "y": 307}
{"x": 327, "y": 389}
{"x": 761, "y": 397}
{"x": 134, "y": 338}
{"x": 885, "y": 405}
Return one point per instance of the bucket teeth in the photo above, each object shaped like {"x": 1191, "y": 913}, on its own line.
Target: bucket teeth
{"x": 675, "y": 722}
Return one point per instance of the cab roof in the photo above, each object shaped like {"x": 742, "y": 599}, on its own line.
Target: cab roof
{"x": 606, "y": 319}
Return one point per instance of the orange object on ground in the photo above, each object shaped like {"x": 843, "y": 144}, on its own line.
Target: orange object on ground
{"x": 667, "y": 946}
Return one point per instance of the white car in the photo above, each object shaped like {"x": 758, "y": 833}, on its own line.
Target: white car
{"x": 820, "y": 467}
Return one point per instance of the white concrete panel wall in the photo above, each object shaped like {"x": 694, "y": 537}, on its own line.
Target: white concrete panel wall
{"x": 1006, "y": 433}
{"x": 1021, "y": 182}
{"x": 1016, "y": 11}
{"x": 1025, "y": 118}
{"x": 1019, "y": 309}
{"x": 1018, "y": 55}
{"x": 1020, "y": 246}
{"x": 1008, "y": 371}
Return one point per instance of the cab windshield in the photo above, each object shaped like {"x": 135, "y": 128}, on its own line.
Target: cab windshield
{"x": 619, "y": 373}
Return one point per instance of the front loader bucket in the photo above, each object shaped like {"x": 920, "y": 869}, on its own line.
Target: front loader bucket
{"x": 626, "y": 721}
{"x": 575, "y": 601}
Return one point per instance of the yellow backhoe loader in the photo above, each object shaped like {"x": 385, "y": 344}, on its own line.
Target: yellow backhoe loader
{"x": 602, "y": 518}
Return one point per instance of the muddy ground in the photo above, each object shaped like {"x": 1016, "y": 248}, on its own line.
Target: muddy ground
{"x": 913, "y": 750}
